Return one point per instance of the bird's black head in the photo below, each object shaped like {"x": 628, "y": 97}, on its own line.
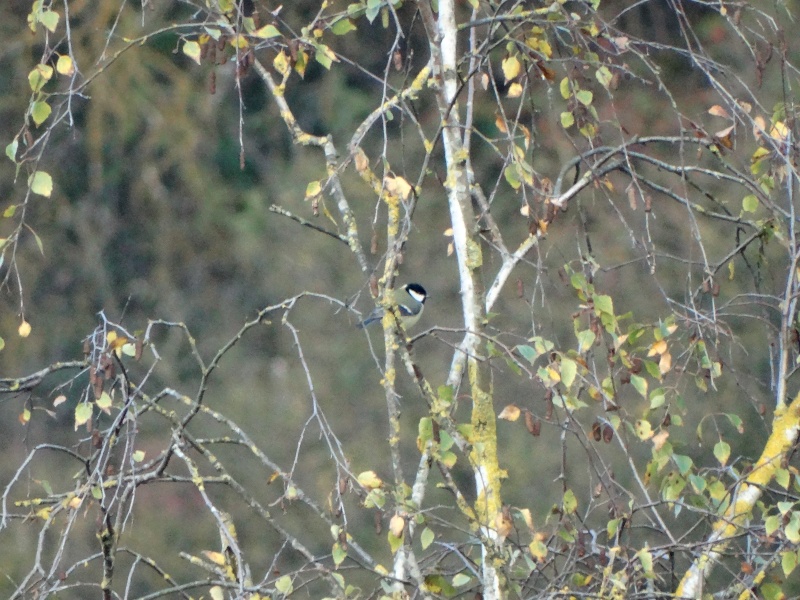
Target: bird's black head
{"x": 416, "y": 291}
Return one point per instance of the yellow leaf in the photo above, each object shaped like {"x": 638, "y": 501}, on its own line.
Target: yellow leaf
{"x": 281, "y": 63}
{"x": 396, "y": 525}
{"x": 239, "y": 41}
{"x": 370, "y": 480}
{"x": 514, "y": 90}
{"x": 537, "y": 547}
{"x": 658, "y": 348}
{"x": 665, "y": 364}
{"x": 65, "y": 66}
{"x": 511, "y": 67}
{"x": 192, "y": 50}
{"x": 779, "y": 131}
{"x": 24, "y": 329}
{"x": 526, "y": 516}
{"x": 216, "y": 593}
{"x": 510, "y": 413}
{"x": 644, "y": 430}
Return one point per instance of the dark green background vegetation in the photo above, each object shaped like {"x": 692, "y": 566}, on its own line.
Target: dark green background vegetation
{"x": 153, "y": 218}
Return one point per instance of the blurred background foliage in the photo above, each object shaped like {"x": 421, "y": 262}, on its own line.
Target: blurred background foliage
{"x": 155, "y": 215}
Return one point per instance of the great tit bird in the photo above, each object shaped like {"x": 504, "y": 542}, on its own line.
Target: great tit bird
{"x": 410, "y": 300}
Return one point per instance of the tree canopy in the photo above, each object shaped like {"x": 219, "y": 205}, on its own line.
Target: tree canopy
{"x": 201, "y": 199}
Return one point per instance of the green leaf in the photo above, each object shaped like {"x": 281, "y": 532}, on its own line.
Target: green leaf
{"x": 511, "y": 173}
{"x": 40, "y": 110}
{"x": 586, "y": 339}
{"x": 783, "y": 478}
{"x": 570, "y": 503}
{"x": 771, "y": 524}
{"x": 83, "y": 412}
{"x": 38, "y": 241}
{"x": 683, "y": 462}
{"x": 603, "y": 304}
{"x": 640, "y": 384}
{"x": 49, "y": 18}
{"x": 611, "y": 528}
{"x": 564, "y": 88}
{"x": 448, "y": 459}
{"x": 426, "y": 537}
{"x": 324, "y": 55}
{"x": 722, "y": 452}
{"x": 569, "y": 369}
{"x": 284, "y": 585}
{"x": 138, "y": 456}
{"x": 104, "y": 401}
{"x": 652, "y": 369}
{"x": 792, "y": 529}
{"x": 439, "y": 586}
{"x": 461, "y": 579}
{"x": 339, "y": 554}
{"x": 657, "y": 398}
{"x": 585, "y": 97}
{"x": 267, "y": 31}
{"x": 749, "y": 203}
{"x": 41, "y": 183}
{"x": 394, "y": 541}
{"x": 343, "y": 26}
{"x": 698, "y": 483}
{"x": 39, "y": 76}
{"x": 373, "y": 8}
{"x": 192, "y": 50}
{"x": 788, "y": 561}
{"x": 603, "y": 76}
{"x": 424, "y": 432}
{"x": 567, "y": 119}
{"x": 736, "y": 421}
{"x": 528, "y": 353}
{"x": 11, "y": 149}
{"x": 313, "y": 189}
{"x": 355, "y": 10}
{"x": 2, "y": 343}
{"x": 646, "y": 560}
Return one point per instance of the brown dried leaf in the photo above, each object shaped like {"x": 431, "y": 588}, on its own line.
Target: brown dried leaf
{"x": 718, "y": 111}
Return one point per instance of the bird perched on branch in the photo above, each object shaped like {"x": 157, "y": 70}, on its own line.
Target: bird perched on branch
{"x": 410, "y": 300}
